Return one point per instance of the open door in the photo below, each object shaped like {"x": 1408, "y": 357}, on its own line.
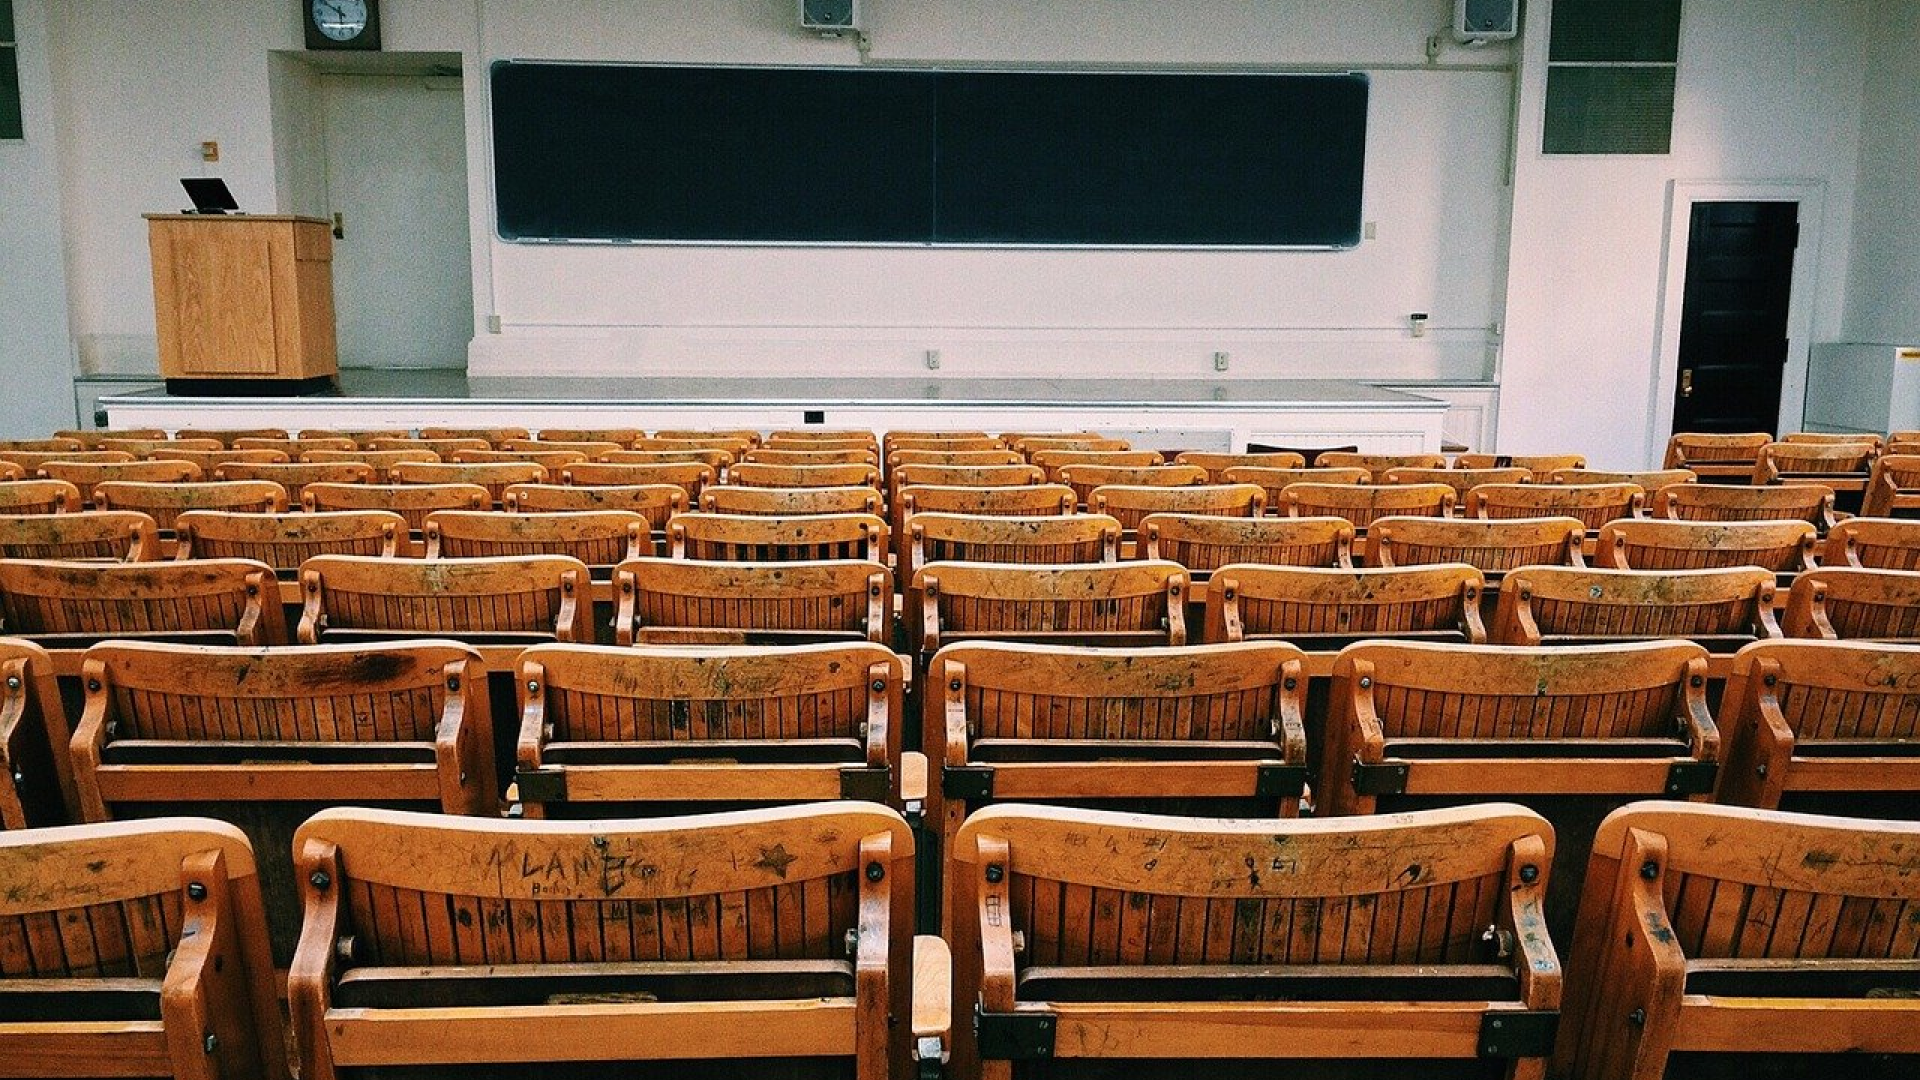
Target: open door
{"x": 1734, "y": 316}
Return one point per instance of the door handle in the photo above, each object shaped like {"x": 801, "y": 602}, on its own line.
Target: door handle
{"x": 339, "y": 226}
{"x": 1686, "y": 382}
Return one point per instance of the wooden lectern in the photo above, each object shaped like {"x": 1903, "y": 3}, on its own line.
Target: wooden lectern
{"x": 243, "y": 304}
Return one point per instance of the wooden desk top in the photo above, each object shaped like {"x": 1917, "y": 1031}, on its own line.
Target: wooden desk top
{"x": 296, "y": 218}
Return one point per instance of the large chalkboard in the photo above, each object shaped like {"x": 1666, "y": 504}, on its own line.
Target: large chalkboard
{"x": 836, "y": 155}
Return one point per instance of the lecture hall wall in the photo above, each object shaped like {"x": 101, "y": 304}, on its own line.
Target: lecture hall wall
{"x": 1541, "y": 274}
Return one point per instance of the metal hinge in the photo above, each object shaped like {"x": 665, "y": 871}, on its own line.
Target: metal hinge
{"x": 542, "y": 785}
{"x": 1021, "y": 1036}
{"x": 1383, "y": 778}
{"x": 1692, "y": 777}
{"x": 1518, "y": 1034}
{"x": 870, "y": 783}
{"x": 967, "y": 781}
{"x": 1280, "y": 781}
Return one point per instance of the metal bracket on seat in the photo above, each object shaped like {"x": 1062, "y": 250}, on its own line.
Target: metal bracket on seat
{"x": 1692, "y": 777}
{"x": 1280, "y": 781}
{"x": 542, "y": 785}
{"x": 1518, "y": 1034}
{"x": 967, "y": 781}
{"x": 1018, "y": 1036}
{"x": 870, "y": 783}
{"x": 1383, "y": 778}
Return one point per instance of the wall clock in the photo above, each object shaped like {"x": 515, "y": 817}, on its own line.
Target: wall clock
{"x": 341, "y": 24}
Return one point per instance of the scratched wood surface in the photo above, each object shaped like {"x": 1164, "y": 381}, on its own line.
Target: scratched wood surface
{"x": 381, "y": 461}
{"x": 1874, "y": 543}
{"x": 1461, "y": 480}
{"x": 1065, "y": 538}
{"x": 208, "y": 460}
{"x": 1593, "y": 504}
{"x": 495, "y": 476}
{"x": 1203, "y": 543}
{"x": 1329, "y": 608}
{"x": 1648, "y": 480}
{"x": 619, "y": 436}
{"x": 1540, "y": 465}
{"x": 1491, "y": 546}
{"x": 755, "y": 538}
{"x": 1846, "y": 602}
{"x": 1052, "y": 461}
{"x": 1361, "y": 504}
{"x": 1894, "y": 486}
{"x": 229, "y": 599}
{"x": 532, "y": 597}
{"x": 589, "y": 449}
{"x": 691, "y": 477}
{"x": 788, "y": 502}
{"x": 31, "y": 445}
{"x": 36, "y": 783}
{"x": 794, "y": 600}
{"x": 715, "y": 458}
{"x": 927, "y": 439}
{"x": 1274, "y": 479}
{"x": 141, "y": 448}
{"x": 1031, "y": 443}
{"x": 413, "y": 502}
{"x": 1724, "y": 502}
{"x": 968, "y": 452}
{"x": 1137, "y": 603}
{"x": 297, "y": 476}
{"x": 89, "y": 536}
{"x": 1379, "y": 464}
{"x": 655, "y": 502}
{"x": 549, "y": 459}
{"x": 734, "y": 442}
{"x": 763, "y": 455}
{"x": 749, "y": 474}
{"x": 1564, "y": 605}
{"x": 1785, "y": 547}
{"x": 595, "y": 537}
{"x": 443, "y": 447}
{"x": 814, "y": 436}
{"x": 1218, "y": 464}
{"x": 491, "y": 435}
{"x": 1131, "y": 503}
{"x": 1715, "y": 454}
{"x": 1083, "y": 478}
{"x": 296, "y": 448}
{"x": 231, "y": 436}
{"x": 87, "y": 475}
{"x": 165, "y": 502}
{"x": 1841, "y": 464}
{"x": 285, "y": 540}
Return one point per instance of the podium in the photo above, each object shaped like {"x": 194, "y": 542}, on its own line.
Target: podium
{"x": 243, "y": 303}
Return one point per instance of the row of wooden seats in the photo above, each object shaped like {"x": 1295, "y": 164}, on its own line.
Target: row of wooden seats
{"x": 781, "y": 935}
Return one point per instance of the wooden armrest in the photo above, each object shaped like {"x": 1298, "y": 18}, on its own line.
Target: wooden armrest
{"x": 932, "y": 994}
{"x": 913, "y": 777}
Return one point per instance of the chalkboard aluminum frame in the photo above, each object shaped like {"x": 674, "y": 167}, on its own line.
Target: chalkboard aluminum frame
{"x": 908, "y": 245}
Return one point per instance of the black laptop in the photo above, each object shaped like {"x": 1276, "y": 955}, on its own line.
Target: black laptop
{"x": 209, "y": 195}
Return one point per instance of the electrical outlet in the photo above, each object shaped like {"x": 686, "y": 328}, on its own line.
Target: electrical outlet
{"x": 1219, "y": 361}
{"x": 1370, "y": 230}
{"x": 933, "y": 359}
{"x": 493, "y": 324}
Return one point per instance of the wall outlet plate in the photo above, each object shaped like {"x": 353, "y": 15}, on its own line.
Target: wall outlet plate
{"x": 830, "y": 14}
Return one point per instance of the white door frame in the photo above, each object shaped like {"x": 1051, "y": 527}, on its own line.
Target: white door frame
{"x": 1681, "y": 195}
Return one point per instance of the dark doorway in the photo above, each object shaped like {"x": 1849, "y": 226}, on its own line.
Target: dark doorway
{"x": 1733, "y": 319}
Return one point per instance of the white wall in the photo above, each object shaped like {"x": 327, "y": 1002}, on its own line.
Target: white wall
{"x": 1768, "y": 90}
{"x": 1883, "y": 297}
{"x": 34, "y": 348}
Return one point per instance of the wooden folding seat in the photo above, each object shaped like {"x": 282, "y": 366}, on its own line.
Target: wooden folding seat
{"x": 791, "y": 502}
{"x": 779, "y": 937}
{"x": 1873, "y": 543}
{"x": 1833, "y": 438}
{"x": 1784, "y": 547}
{"x": 860, "y": 455}
{"x": 924, "y": 442}
{"x": 748, "y": 474}
{"x": 1218, "y": 464}
{"x": 717, "y": 460}
{"x": 1823, "y": 725}
{"x": 142, "y": 448}
{"x": 1459, "y": 479}
{"x": 1213, "y": 729}
{"x": 691, "y": 477}
{"x": 30, "y": 461}
{"x": 750, "y": 538}
{"x": 495, "y": 476}
{"x": 824, "y": 435}
{"x": 1274, "y": 481}
{"x": 620, "y": 436}
{"x": 88, "y": 475}
{"x": 607, "y": 732}
{"x": 362, "y": 438}
{"x": 550, "y": 460}
{"x": 655, "y": 502}
{"x": 912, "y": 475}
{"x": 1843, "y": 467}
{"x": 209, "y": 460}
{"x": 39, "y": 497}
{"x": 1893, "y": 487}
{"x": 442, "y": 447}
{"x": 10, "y": 472}
{"x": 166, "y": 502}
{"x": 1025, "y": 500}
{"x": 588, "y": 449}
{"x": 263, "y": 737}
{"x": 1715, "y": 458}
{"x": 1492, "y": 547}
{"x": 1323, "y": 609}
{"x": 1378, "y": 464}
{"x": 285, "y": 541}
{"x": 1069, "y": 538}
{"x": 667, "y": 601}
{"x": 517, "y": 599}
{"x": 1130, "y": 504}
{"x": 297, "y": 449}
{"x": 1725, "y": 930}
{"x": 71, "y": 605}
{"x": 297, "y": 476}
{"x": 89, "y": 536}
{"x": 1540, "y": 465}
{"x": 91, "y": 439}
{"x": 732, "y": 444}
{"x": 1718, "y": 502}
{"x": 411, "y": 501}
{"x": 1011, "y": 439}
{"x": 1558, "y": 605}
{"x": 1138, "y": 944}
{"x": 36, "y": 776}
{"x": 1083, "y": 478}
{"x": 136, "y": 949}
{"x": 381, "y": 461}
{"x": 1572, "y": 733}
{"x": 1203, "y": 543}
{"x": 1052, "y": 461}
{"x": 229, "y": 437}
{"x": 1846, "y": 603}
{"x": 1126, "y": 604}
{"x": 1647, "y": 480}
{"x": 1032, "y": 444}
{"x": 1361, "y": 504}
{"x": 1593, "y": 504}
{"x": 989, "y": 456}
{"x": 595, "y": 537}
{"x": 493, "y": 436}
{"x": 50, "y": 445}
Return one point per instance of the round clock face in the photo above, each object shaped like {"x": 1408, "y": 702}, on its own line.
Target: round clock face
{"x": 341, "y": 20}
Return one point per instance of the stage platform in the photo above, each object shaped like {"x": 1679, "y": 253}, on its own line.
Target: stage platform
{"x": 1189, "y": 414}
